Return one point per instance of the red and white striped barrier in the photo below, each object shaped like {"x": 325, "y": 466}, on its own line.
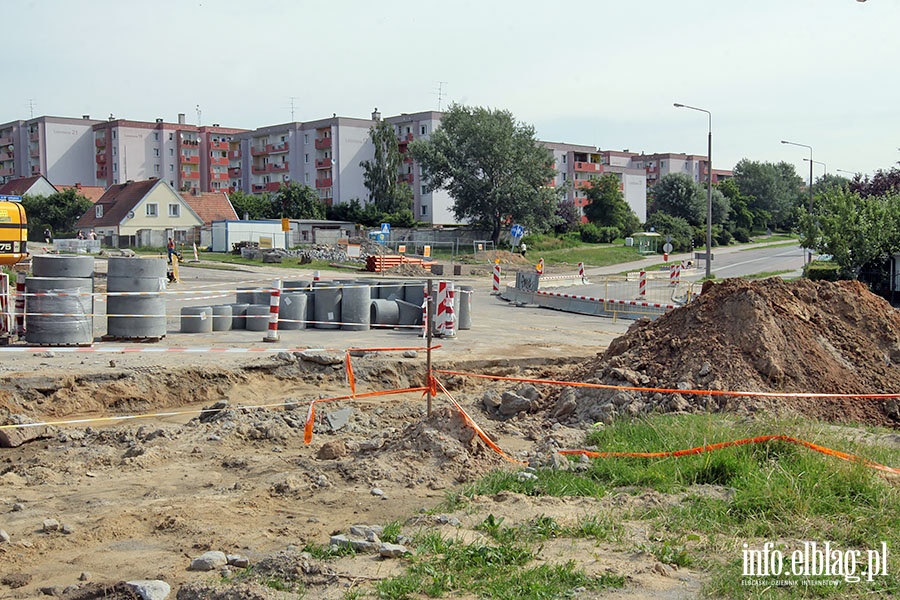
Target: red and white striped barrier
{"x": 445, "y": 319}
{"x": 675, "y": 274}
{"x": 274, "y": 303}
{"x": 6, "y": 322}
{"x": 425, "y": 299}
{"x": 581, "y": 272}
{"x": 20, "y": 303}
{"x": 316, "y": 277}
{"x": 196, "y": 254}
{"x": 609, "y": 301}
{"x": 642, "y": 284}
{"x": 496, "y": 288}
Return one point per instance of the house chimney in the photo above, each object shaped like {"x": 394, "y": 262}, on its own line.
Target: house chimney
{"x": 376, "y": 116}
{"x": 158, "y": 120}
{"x": 181, "y": 118}
{"x": 85, "y": 117}
{"x": 215, "y": 125}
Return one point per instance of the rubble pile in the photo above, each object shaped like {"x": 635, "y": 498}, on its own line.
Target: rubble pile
{"x": 759, "y": 336}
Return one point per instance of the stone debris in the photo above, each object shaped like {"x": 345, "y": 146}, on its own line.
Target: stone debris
{"x": 209, "y": 561}
{"x": 150, "y": 589}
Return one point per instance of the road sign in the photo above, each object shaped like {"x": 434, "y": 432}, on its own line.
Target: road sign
{"x": 517, "y": 231}
{"x": 668, "y": 239}
{"x": 385, "y": 228}
{"x": 702, "y": 256}
{"x": 11, "y": 198}
{"x": 667, "y": 247}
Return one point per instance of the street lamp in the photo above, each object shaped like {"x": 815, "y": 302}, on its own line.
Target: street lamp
{"x": 708, "y": 189}
{"x": 854, "y": 173}
{"x": 810, "y": 180}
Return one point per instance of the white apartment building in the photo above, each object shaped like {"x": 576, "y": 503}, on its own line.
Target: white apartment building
{"x": 58, "y": 148}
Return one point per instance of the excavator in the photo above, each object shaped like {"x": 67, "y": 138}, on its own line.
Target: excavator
{"x": 13, "y": 232}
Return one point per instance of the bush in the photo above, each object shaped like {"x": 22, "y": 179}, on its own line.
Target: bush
{"x": 742, "y": 235}
{"x": 723, "y": 237}
{"x": 591, "y": 234}
{"x": 822, "y": 270}
{"x": 676, "y": 227}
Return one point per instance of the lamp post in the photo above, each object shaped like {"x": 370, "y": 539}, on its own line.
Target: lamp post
{"x": 854, "y": 173}
{"x": 809, "y": 256}
{"x": 708, "y": 189}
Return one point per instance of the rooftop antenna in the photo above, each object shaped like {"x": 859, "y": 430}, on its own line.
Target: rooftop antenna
{"x": 31, "y": 107}
{"x": 440, "y": 93}
{"x": 292, "y": 108}
{"x": 199, "y": 114}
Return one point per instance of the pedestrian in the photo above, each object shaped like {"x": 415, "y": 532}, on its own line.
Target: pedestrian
{"x": 522, "y": 248}
{"x": 48, "y": 235}
{"x": 170, "y": 248}
{"x": 93, "y": 234}
{"x": 80, "y": 234}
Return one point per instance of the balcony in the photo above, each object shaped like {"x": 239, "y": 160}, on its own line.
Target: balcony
{"x": 405, "y": 178}
{"x": 218, "y": 176}
{"x": 101, "y": 159}
{"x": 234, "y": 172}
{"x": 35, "y": 169}
{"x": 323, "y": 143}
{"x": 189, "y": 142}
{"x": 234, "y": 154}
{"x": 100, "y": 142}
{"x": 259, "y": 170}
{"x": 266, "y": 187}
{"x": 323, "y": 163}
{"x": 583, "y": 183}
{"x": 34, "y": 152}
{"x": 587, "y": 167}
{"x": 323, "y": 183}
{"x": 6, "y": 141}
{"x": 190, "y": 175}
{"x": 34, "y": 136}
{"x": 220, "y": 145}
{"x": 6, "y": 172}
{"x": 278, "y": 148}
{"x": 258, "y": 151}
{"x": 101, "y": 173}
{"x": 279, "y": 168}
{"x": 190, "y": 159}
{"x": 219, "y": 161}
{"x": 5, "y": 156}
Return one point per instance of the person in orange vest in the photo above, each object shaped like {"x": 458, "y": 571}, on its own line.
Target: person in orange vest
{"x": 540, "y": 267}
{"x": 170, "y": 248}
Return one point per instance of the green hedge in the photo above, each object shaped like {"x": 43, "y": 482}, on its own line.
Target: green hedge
{"x": 821, "y": 270}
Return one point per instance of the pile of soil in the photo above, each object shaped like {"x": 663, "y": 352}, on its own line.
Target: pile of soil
{"x": 505, "y": 257}
{"x": 761, "y": 336}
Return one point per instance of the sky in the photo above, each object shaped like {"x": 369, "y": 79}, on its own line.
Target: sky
{"x": 822, "y": 73}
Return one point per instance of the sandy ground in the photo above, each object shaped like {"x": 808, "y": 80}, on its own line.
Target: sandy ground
{"x": 139, "y": 498}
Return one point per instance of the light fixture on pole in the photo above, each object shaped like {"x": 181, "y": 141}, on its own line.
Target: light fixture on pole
{"x": 818, "y": 163}
{"x": 854, "y": 173}
{"x": 809, "y": 257}
{"x": 708, "y": 189}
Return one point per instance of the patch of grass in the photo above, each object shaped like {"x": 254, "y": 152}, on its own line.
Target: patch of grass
{"x": 488, "y": 571}
{"x": 328, "y": 551}
{"x": 391, "y": 532}
{"x": 767, "y": 274}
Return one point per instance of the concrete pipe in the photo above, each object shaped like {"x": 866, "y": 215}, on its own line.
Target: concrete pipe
{"x": 414, "y": 292}
{"x": 196, "y": 319}
{"x": 390, "y": 290}
{"x": 384, "y": 313}
{"x": 61, "y": 265}
{"x": 120, "y": 266}
{"x": 239, "y": 315}
{"x": 222, "y": 317}
{"x": 300, "y": 284}
{"x": 328, "y": 306}
{"x": 410, "y": 314}
{"x": 355, "y": 309}
{"x": 292, "y": 311}
{"x": 245, "y": 295}
{"x": 258, "y": 317}
{"x": 59, "y": 320}
{"x": 142, "y": 316}
{"x": 462, "y": 304}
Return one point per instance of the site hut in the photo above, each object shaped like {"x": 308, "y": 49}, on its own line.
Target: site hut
{"x": 319, "y": 231}
{"x": 267, "y": 233}
{"x": 647, "y": 242}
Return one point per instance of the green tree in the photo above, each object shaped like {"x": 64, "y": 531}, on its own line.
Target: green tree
{"x": 681, "y": 231}
{"x": 740, "y": 215}
{"x": 857, "y": 231}
{"x": 568, "y": 217}
{"x": 381, "y": 175}
{"x": 678, "y": 195}
{"x": 492, "y": 166}
{"x": 607, "y": 206}
{"x": 57, "y": 211}
{"x": 775, "y": 190}
{"x": 251, "y": 206}
{"x": 297, "y": 201}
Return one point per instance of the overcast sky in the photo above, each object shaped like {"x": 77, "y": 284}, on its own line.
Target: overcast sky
{"x": 818, "y": 72}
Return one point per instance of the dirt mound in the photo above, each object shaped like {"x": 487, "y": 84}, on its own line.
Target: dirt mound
{"x": 763, "y": 336}
{"x": 408, "y": 270}
{"x": 505, "y": 257}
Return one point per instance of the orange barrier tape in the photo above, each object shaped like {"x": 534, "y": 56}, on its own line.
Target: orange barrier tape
{"x": 471, "y": 423}
{"x": 670, "y": 390}
{"x": 310, "y": 417}
{"x": 350, "y": 379}
{"x": 719, "y": 446}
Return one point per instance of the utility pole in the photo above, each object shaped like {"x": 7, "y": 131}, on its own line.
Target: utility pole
{"x": 440, "y": 93}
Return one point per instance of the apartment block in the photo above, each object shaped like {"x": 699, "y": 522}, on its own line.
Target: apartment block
{"x": 57, "y": 147}
{"x": 577, "y": 164}
{"x": 188, "y": 157}
{"x": 658, "y": 166}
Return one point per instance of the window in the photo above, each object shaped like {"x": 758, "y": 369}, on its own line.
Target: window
{"x": 423, "y": 190}
{"x": 306, "y": 178}
{"x": 306, "y": 158}
{"x": 305, "y": 235}
{"x": 113, "y": 134}
{"x": 172, "y": 183}
{"x": 662, "y": 164}
{"x": 115, "y": 167}
{"x": 151, "y": 210}
{"x": 564, "y": 158}
{"x": 171, "y": 168}
{"x": 424, "y": 210}
{"x": 171, "y": 136}
{"x": 284, "y": 138}
{"x": 155, "y": 136}
{"x": 98, "y": 211}
{"x": 305, "y": 138}
{"x": 156, "y": 152}
{"x": 423, "y": 130}
{"x": 174, "y": 210}
{"x": 171, "y": 151}
{"x": 156, "y": 168}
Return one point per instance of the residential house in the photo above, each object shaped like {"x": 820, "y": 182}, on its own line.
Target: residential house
{"x": 36, "y": 185}
{"x": 209, "y": 206}
{"x": 91, "y": 192}
{"x": 141, "y": 214}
